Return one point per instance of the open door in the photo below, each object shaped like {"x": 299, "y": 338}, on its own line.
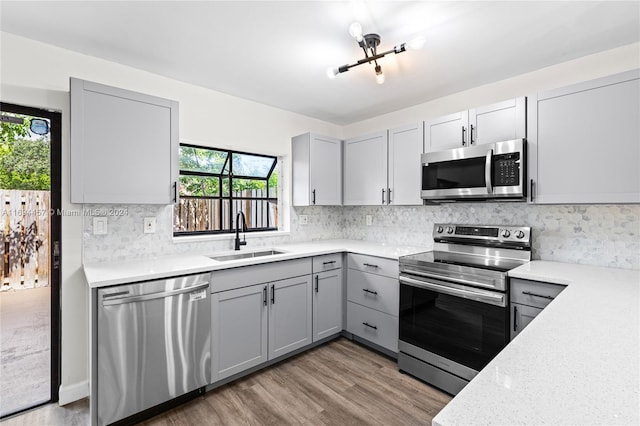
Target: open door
{"x": 30, "y": 202}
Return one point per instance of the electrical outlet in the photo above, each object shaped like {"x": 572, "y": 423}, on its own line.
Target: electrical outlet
{"x": 149, "y": 225}
{"x": 99, "y": 226}
{"x": 369, "y": 219}
{"x": 303, "y": 219}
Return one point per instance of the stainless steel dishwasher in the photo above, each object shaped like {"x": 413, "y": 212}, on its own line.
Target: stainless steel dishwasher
{"x": 154, "y": 343}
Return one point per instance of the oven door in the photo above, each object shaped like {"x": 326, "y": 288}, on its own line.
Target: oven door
{"x": 458, "y": 323}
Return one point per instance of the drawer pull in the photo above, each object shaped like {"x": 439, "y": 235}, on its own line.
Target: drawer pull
{"x": 528, "y": 293}
{"x": 329, "y": 263}
{"x": 370, "y": 265}
{"x": 369, "y": 325}
{"x": 366, "y": 290}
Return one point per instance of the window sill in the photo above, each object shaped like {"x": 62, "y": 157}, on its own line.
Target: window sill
{"x": 224, "y": 237}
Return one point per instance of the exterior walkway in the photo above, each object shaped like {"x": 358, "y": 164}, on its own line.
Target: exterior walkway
{"x": 25, "y": 348}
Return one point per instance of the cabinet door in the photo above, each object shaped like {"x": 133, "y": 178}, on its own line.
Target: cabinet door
{"x": 326, "y": 171}
{"x": 502, "y": 121}
{"x": 124, "y": 146}
{"x": 521, "y": 316}
{"x": 446, "y": 132}
{"x": 365, "y": 170}
{"x": 405, "y": 170}
{"x": 327, "y": 304}
{"x": 289, "y": 315}
{"x": 239, "y": 330}
{"x": 588, "y": 142}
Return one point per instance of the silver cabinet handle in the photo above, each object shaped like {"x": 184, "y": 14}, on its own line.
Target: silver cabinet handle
{"x": 528, "y": 293}
{"x": 487, "y": 171}
{"x": 152, "y": 296}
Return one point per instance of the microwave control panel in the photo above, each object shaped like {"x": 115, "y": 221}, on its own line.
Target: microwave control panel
{"x": 506, "y": 169}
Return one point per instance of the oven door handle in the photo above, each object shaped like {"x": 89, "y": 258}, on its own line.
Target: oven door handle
{"x": 493, "y": 299}
{"x": 491, "y": 284}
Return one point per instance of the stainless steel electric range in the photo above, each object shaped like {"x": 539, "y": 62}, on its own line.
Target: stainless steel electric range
{"x": 454, "y": 313}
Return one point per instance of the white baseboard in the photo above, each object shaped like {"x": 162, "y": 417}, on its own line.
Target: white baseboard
{"x": 74, "y": 392}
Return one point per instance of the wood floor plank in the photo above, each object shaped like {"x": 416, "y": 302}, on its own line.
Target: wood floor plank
{"x": 339, "y": 383}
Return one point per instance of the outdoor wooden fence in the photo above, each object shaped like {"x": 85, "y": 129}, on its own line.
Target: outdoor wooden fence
{"x": 24, "y": 226}
{"x": 209, "y": 214}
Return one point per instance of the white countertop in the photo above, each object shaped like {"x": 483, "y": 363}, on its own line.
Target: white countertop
{"x": 578, "y": 362}
{"x": 112, "y": 273}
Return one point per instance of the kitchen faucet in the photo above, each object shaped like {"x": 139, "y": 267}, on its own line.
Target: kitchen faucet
{"x": 239, "y": 243}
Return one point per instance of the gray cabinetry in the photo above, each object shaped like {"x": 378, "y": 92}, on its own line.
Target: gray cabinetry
{"x": 384, "y": 167}
{"x": 317, "y": 170}
{"x": 124, "y": 146}
{"x": 327, "y": 296}
{"x": 528, "y": 299}
{"x": 584, "y": 142}
{"x": 372, "y": 300}
{"x": 259, "y": 313}
{"x": 497, "y": 122}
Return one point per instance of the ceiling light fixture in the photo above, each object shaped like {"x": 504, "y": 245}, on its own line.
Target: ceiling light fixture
{"x": 369, "y": 44}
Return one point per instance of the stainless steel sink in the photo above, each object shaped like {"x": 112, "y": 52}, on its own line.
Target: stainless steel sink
{"x": 245, "y": 255}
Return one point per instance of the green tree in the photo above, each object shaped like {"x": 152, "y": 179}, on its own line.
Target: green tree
{"x": 24, "y": 161}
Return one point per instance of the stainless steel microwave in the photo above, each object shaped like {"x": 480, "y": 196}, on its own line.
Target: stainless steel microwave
{"x": 496, "y": 171}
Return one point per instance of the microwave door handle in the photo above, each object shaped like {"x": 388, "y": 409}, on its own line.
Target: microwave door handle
{"x": 487, "y": 171}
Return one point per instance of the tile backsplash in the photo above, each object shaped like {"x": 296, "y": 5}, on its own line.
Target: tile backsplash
{"x": 604, "y": 235}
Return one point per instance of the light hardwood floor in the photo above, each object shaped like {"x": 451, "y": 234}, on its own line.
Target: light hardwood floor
{"x": 339, "y": 383}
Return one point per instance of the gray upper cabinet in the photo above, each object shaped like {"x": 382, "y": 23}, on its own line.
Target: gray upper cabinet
{"x": 404, "y": 167}
{"x": 384, "y": 167}
{"x": 317, "y": 170}
{"x": 584, "y": 142}
{"x": 497, "y": 122}
{"x": 365, "y": 170}
{"x": 124, "y": 146}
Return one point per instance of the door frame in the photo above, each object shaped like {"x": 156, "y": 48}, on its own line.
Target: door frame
{"x": 55, "y": 249}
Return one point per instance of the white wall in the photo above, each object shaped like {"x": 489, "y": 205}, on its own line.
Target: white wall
{"x": 586, "y": 68}
{"x": 37, "y": 75}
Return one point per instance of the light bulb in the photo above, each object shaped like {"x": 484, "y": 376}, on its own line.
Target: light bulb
{"x": 379, "y": 75}
{"x": 332, "y": 72}
{"x": 355, "y": 30}
{"x": 416, "y": 43}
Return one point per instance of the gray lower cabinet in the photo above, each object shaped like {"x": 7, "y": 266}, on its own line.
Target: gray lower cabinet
{"x": 327, "y": 304}
{"x": 259, "y": 322}
{"x": 239, "y": 330}
{"x": 289, "y": 315}
{"x": 372, "y": 300}
{"x": 528, "y": 299}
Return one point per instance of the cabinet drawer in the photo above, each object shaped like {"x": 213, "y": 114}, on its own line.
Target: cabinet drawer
{"x": 533, "y": 293}
{"x": 521, "y": 316}
{"x": 372, "y": 325}
{"x": 375, "y": 265}
{"x": 374, "y": 291}
{"x": 327, "y": 262}
{"x": 229, "y": 279}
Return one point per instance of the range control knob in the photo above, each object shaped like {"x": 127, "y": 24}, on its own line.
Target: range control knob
{"x": 450, "y": 230}
{"x": 439, "y": 229}
{"x": 519, "y": 234}
{"x": 506, "y": 233}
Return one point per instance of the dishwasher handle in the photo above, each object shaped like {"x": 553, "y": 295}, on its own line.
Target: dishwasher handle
{"x": 152, "y": 296}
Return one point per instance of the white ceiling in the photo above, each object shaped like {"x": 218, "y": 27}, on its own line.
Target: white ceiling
{"x": 277, "y": 52}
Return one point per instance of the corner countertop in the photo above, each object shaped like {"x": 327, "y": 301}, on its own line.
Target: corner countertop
{"x": 578, "y": 362}
{"x": 112, "y": 273}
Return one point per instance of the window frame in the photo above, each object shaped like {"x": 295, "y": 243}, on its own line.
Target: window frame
{"x": 220, "y": 198}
